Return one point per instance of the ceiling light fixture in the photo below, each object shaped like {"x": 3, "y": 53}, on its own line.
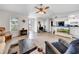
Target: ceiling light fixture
{"x": 41, "y": 9}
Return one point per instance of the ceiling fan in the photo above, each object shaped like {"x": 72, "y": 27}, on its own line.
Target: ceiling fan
{"x": 42, "y": 9}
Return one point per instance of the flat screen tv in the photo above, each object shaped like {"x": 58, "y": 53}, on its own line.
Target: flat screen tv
{"x": 60, "y": 23}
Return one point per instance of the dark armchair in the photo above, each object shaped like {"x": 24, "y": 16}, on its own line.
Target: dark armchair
{"x": 62, "y": 47}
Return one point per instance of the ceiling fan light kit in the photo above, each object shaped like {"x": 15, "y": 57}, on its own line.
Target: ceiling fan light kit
{"x": 41, "y": 9}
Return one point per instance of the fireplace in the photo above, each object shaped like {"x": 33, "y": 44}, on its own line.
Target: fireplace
{"x": 23, "y": 31}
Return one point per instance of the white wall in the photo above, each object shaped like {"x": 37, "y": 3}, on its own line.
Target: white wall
{"x": 41, "y": 20}
{"x": 47, "y": 25}
{"x": 22, "y": 24}
{"x": 74, "y": 31}
{"x": 5, "y": 18}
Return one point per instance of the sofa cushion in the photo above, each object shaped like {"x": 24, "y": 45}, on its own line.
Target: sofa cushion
{"x": 76, "y": 42}
{"x": 73, "y": 47}
{"x": 76, "y": 45}
{"x": 63, "y": 42}
{"x": 50, "y": 49}
{"x": 60, "y": 47}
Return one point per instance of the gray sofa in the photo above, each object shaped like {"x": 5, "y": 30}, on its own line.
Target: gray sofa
{"x": 62, "y": 47}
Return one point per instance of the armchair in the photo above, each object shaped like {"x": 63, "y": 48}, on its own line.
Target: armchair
{"x": 62, "y": 47}
{"x": 5, "y": 35}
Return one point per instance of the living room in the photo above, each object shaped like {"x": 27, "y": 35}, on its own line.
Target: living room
{"x": 31, "y": 28}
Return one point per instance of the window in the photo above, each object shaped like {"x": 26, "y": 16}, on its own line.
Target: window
{"x": 13, "y": 24}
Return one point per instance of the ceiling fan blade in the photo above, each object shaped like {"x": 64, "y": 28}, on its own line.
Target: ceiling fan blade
{"x": 36, "y": 7}
{"x": 44, "y": 12}
{"x": 46, "y": 7}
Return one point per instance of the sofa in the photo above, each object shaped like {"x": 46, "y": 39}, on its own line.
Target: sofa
{"x": 6, "y": 36}
{"x": 62, "y": 47}
{"x": 2, "y": 31}
{"x": 2, "y": 46}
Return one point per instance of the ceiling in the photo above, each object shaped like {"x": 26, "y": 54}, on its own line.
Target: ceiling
{"x": 26, "y": 9}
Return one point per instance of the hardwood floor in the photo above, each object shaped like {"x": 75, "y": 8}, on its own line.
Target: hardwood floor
{"x": 38, "y": 41}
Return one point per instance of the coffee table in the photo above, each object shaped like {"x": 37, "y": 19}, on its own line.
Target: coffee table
{"x": 26, "y": 46}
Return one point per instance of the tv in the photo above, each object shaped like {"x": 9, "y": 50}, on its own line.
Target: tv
{"x": 61, "y": 23}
